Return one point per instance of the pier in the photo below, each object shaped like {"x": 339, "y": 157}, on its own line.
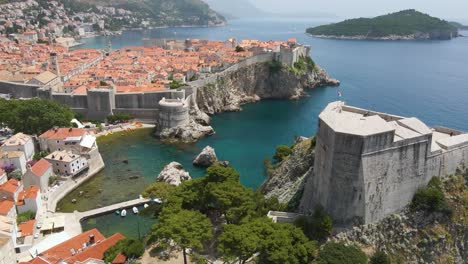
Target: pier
{"x": 111, "y": 208}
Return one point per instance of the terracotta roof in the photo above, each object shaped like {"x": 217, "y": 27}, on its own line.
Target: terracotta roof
{"x": 97, "y": 251}
{"x": 63, "y": 133}
{"x": 64, "y": 250}
{"x": 119, "y": 259}
{"x": 10, "y": 186}
{"x": 40, "y": 167}
{"x": 27, "y": 228}
{"x": 5, "y": 206}
{"x": 30, "y": 193}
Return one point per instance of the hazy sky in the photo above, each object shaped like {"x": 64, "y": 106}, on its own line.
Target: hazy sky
{"x": 354, "y": 8}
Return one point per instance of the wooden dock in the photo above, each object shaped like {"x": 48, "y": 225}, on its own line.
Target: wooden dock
{"x": 111, "y": 208}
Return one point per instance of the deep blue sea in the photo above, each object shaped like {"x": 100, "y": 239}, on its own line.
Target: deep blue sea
{"x": 425, "y": 79}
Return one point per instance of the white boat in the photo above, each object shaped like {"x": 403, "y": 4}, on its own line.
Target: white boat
{"x": 123, "y": 213}
{"x": 146, "y": 205}
{"x": 157, "y": 200}
{"x": 135, "y": 210}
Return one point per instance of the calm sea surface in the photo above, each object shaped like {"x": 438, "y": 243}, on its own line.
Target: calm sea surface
{"x": 425, "y": 79}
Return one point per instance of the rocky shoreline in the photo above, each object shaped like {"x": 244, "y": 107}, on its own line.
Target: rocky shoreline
{"x": 257, "y": 82}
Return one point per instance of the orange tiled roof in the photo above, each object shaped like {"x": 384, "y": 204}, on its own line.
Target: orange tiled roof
{"x": 27, "y": 228}
{"x": 40, "y": 167}
{"x": 63, "y": 133}
{"x": 30, "y": 193}
{"x": 5, "y": 206}
{"x": 63, "y": 250}
{"x": 119, "y": 259}
{"x": 11, "y": 186}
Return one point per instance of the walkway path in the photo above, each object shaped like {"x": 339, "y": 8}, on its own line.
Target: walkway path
{"x": 99, "y": 211}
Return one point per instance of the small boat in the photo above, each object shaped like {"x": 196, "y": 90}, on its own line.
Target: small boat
{"x": 135, "y": 210}
{"x": 123, "y": 213}
{"x": 117, "y": 212}
{"x": 146, "y": 205}
{"x": 157, "y": 200}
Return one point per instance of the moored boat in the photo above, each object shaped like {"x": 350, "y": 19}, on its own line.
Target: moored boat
{"x": 123, "y": 213}
{"x": 135, "y": 210}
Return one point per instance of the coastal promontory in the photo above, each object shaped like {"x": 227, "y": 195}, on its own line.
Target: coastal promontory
{"x": 403, "y": 25}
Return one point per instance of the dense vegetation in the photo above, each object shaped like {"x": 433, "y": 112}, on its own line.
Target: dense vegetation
{"x": 402, "y": 23}
{"x": 431, "y": 199}
{"x": 162, "y": 12}
{"x": 34, "y": 116}
{"x": 217, "y": 216}
{"x": 459, "y": 25}
{"x": 24, "y": 217}
{"x": 130, "y": 248}
{"x": 339, "y": 253}
{"x": 119, "y": 118}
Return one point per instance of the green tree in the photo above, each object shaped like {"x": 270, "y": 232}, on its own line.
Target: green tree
{"x": 339, "y": 253}
{"x": 317, "y": 227}
{"x": 218, "y": 173}
{"x": 186, "y": 228}
{"x": 161, "y": 190}
{"x": 431, "y": 199}
{"x": 232, "y": 199}
{"x": 34, "y": 116}
{"x": 282, "y": 152}
{"x": 238, "y": 242}
{"x": 130, "y": 248}
{"x": 380, "y": 257}
{"x": 285, "y": 243}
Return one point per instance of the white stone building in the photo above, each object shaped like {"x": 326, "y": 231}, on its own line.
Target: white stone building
{"x": 66, "y": 163}
{"x": 13, "y": 158}
{"x": 20, "y": 142}
{"x": 7, "y": 251}
{"x": 29, "y": 200}
{"x": 78, "y": 140}
{"x": 38, "y": 175}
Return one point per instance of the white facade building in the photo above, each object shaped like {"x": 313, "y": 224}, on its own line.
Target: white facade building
{"x": 67, "y": 163}
{"x": 20, "y": 142}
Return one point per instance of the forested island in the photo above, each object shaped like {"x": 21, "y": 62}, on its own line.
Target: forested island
{"x": 403, "y": 25}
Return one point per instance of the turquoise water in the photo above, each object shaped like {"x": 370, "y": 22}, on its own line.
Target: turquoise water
{"x": 131, "y": 226}
{"x": 425, "y": 79}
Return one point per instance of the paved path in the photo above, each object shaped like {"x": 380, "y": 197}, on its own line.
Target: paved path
{"x": 111, "y": 208}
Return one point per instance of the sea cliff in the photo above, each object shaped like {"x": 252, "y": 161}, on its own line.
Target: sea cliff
{"x": 251, "y": 83}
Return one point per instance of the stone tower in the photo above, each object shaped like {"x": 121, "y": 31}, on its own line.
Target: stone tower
{"x": 55, "y": 67}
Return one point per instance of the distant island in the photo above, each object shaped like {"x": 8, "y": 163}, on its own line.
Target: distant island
{"x": 459, "y": 25}
{"x": 403, "y": 25}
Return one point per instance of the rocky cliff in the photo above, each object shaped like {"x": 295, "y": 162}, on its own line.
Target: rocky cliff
{"x": 286, "y": 179}
{"x": 420, "y": 237}
{"x": 258, "y": 81}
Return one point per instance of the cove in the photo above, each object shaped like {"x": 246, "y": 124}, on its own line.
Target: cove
{"x": 243, "y": 138}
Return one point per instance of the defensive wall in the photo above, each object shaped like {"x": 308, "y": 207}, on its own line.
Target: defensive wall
{"x": 18, "y": 90}
{"x": 369, "y": 165}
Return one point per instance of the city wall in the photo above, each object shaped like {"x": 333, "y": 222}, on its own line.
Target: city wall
{"x": 18, "y": 90}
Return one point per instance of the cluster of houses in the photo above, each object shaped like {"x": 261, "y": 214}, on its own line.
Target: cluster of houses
{"x": 32, "y": 21}
{"x": 28, "y": 167}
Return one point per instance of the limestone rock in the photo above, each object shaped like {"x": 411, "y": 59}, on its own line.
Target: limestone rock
{"x": 252, "y": 83}
{"x": 206, "y": 158}
{"x": 287, "y": 179}
{"x": 191, "y": 132}
{"x": 174, "y": 174}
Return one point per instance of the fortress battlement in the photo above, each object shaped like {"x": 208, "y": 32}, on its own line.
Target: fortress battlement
{"x": 370, "y": 164}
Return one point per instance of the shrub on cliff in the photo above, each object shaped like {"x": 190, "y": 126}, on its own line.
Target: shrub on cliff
{"x": 339, "y": 253}
{"x": 431, "y": 199}
{"x": 380, "y": 257}
{"x": 119, "y": 118}
{"x": 282, "y": 152}
{"x": 317, "y": 227}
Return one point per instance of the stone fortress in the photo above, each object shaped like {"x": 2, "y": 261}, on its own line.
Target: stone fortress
{"x": 369, "y": 165}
